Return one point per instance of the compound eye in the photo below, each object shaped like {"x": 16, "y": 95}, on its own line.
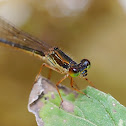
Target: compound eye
{"x": 86, "y": 63}
{"x": 74, "y": 72}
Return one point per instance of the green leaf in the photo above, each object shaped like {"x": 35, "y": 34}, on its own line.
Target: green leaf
{"x": 99, "y": 109}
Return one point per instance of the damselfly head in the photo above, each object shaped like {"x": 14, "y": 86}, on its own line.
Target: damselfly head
{"x": 80, "y": 69}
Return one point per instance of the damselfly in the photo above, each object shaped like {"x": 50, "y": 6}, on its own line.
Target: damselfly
{"x": 55, "y": 58}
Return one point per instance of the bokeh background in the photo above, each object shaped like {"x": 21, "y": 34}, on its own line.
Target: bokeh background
{"x": 91, "y": 29}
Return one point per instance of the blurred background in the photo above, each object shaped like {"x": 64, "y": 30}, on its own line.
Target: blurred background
{"x": 91, "y": 29}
